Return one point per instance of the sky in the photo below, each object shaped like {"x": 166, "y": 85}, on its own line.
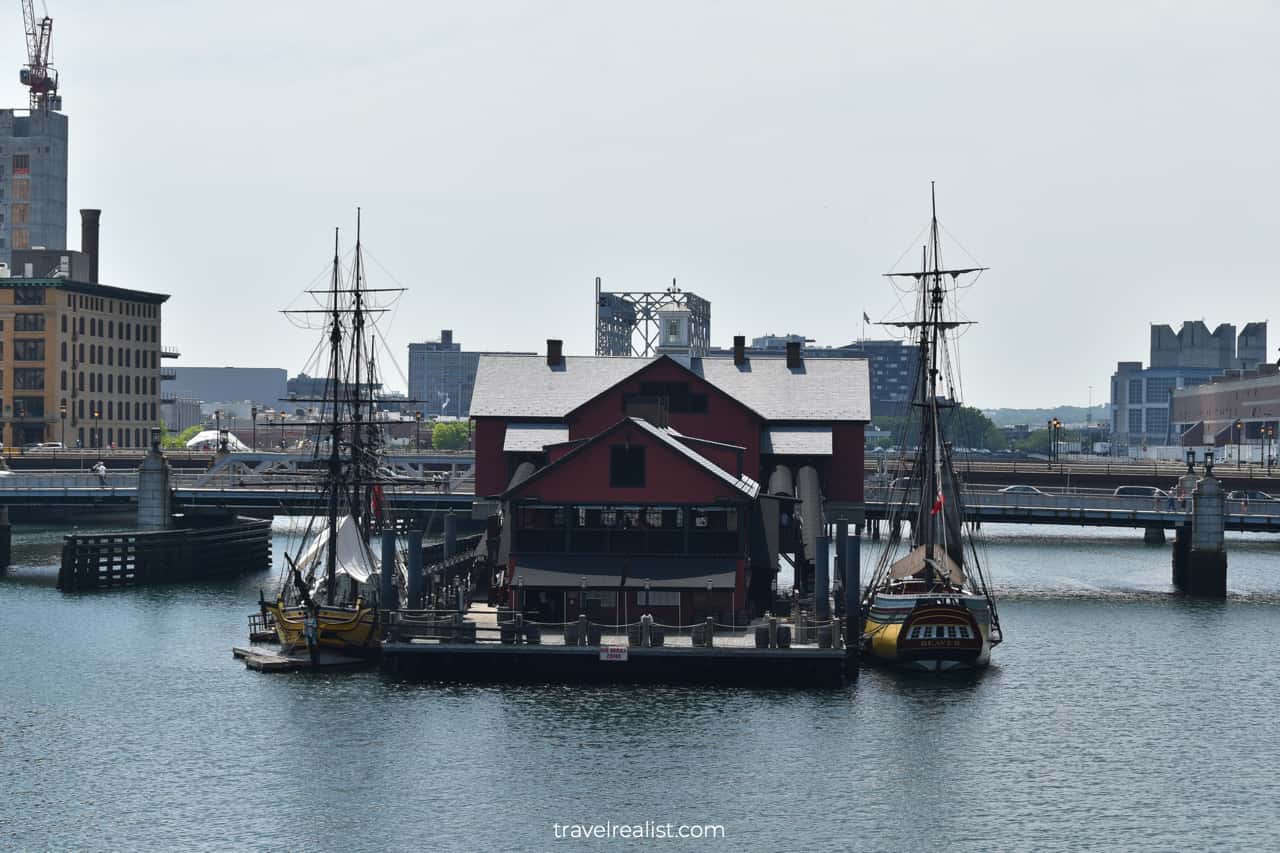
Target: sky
{"x": 1114, "y": 164}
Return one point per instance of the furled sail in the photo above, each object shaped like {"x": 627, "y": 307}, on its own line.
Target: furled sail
{"x": 913, "y": 564}
{"x": 353, "y": 558}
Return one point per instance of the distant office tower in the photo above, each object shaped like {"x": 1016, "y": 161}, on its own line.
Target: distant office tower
{"x": 33, "y": 183}
{"x": 442, "y": 377}
{"x": 1192, "y": 356}
{"x": 267, "y": 387}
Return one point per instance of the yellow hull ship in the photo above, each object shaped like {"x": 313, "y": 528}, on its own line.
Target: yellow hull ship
{"x": 930, "y": 632}
{"x": 346, "y": 630}
{"x": 928, "y": 606}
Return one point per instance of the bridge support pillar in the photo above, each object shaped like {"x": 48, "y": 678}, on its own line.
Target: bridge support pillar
{"x": 1200, "y": 556}
{"x": 1153, "y": 536}
{"x": 875, "y": 530}
{"x": 155, "y": 510}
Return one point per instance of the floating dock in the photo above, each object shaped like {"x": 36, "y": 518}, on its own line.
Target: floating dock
{"x": 264, "y": 661}
{"x": 620, "y": 664}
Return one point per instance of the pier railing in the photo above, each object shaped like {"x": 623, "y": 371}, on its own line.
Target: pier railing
{"x": 510, "y": 627}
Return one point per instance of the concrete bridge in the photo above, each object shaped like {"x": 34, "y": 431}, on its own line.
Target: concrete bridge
{"x": 1082, "y": 507}
{"x": 59, "y": 496}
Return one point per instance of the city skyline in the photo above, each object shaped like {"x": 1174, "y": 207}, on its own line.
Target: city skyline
{"x": 774, "y": 164}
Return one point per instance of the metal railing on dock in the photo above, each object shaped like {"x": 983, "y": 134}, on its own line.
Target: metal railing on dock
{"x": 509, "y": 627}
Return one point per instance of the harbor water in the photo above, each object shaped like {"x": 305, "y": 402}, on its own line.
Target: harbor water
{"x": 1116, "y": 715}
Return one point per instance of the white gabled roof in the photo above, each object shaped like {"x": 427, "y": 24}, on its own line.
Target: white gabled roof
{"x": 533, "y": 437}
{"x": 822, "y": 389}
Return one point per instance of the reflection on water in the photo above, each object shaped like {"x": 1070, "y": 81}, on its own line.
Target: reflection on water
{"x": 1116, "y": 715}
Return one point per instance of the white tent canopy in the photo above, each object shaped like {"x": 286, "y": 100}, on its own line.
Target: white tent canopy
{"x": 208, "y": 440}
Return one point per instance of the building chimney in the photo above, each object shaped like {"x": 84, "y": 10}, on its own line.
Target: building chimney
{"x": 89, "y": 240}
{"x": 793, "y": 354}
{"x": 446, "y": 336}
{"x": 555, "y": 352}
{"x": 739, "y": 349}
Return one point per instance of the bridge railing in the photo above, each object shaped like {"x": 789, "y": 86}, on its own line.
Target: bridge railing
{"x": 23, "y": 482}
{"x": 1076, "y": 499}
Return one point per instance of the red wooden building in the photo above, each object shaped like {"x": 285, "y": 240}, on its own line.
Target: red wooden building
{"x": 628, "y": 486}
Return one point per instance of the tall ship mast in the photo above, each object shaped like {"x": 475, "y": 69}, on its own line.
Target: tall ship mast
{"x": 928, "y": 605}
{"x": 328, "y": 596}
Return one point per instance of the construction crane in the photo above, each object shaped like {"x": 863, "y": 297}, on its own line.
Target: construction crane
{"x": 38, "y": 74}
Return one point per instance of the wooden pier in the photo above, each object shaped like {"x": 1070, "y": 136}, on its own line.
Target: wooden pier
{"x": 264, "y": 661}
{"x": 139, "y": 558}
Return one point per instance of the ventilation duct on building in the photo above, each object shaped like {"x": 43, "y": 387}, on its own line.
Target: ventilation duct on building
{"x": 89, "y": 239}
{"x": 793, "y": 354}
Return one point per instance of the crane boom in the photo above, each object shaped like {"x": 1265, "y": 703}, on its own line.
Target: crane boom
{"x": 38, "y": 74}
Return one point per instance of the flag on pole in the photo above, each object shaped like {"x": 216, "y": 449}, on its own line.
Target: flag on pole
{"x": 937, "y": 504}
{"x": 865, "y": 318}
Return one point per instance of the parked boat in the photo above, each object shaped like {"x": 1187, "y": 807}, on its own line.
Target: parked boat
{"x": 928, "y": 605}
{"x": 328, "y": 597}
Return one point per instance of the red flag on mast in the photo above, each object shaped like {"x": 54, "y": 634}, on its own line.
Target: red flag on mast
{"x": 937, "y": 504}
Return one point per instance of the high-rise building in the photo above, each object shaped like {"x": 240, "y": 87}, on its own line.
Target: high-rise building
{"x": 442, "y": 376}
{"x": 33, "y": 181}
{"x": 79, "y": 361}
{"x": 1192, "y": 356}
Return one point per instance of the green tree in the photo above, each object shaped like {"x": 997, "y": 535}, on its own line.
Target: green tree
{"x": 452, "y": 435}
{"x": 179, "y": 441}
{"x": 1036, "y": 442}
{"x": 969, "y": 427}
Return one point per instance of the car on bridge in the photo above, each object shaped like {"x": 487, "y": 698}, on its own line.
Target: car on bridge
{"x": 1022, "y": 490}
{"x": 1248, "y": 495}
{"x": 1140, "y": 492}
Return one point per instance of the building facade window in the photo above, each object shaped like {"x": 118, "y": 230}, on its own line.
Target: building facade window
{"x": 1157, "y": 422}
{"x": 28, "y": 295}
{"x": 1160, "y": 388}
{"x": 28, "y": 378}
{"x": 1135, "y": 421}
{"x": 626, "y": 466}
{"x": 28, "y": 322}
{"x": 28, "y": 350}
{"x": 1135, "y": 392}
{"x": 28, "y": 407}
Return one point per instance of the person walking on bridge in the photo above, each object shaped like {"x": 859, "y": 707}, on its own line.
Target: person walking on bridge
{"x": 101, "y": 470}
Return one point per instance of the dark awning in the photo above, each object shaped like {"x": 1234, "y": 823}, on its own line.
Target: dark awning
{"x": 561, "y": 571}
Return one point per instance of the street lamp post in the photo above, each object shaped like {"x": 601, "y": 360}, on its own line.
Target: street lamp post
{"x": 253, "y": 413}
{"x": 1239, "y": 427}
{"x": 417, "y": 436}
{"x": 97, "y": 429}
{"x": 62, "y": 412}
